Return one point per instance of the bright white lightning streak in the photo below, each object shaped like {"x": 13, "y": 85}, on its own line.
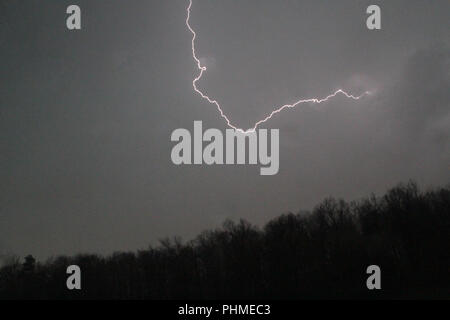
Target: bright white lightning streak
{"x": 202, "y": 69}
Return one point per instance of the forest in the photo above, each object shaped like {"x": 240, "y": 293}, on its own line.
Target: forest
{"x": 321, "y": 254}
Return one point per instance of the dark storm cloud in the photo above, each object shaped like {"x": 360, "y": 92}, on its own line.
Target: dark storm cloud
{"x": 86, "y": 117}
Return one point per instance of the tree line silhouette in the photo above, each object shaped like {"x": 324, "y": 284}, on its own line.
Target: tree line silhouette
{"x": 319, "y": 254}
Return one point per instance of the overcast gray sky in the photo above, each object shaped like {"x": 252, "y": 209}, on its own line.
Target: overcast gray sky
{"x": 86, "y": 116}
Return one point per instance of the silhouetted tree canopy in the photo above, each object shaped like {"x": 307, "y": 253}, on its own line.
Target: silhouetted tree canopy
{"x": 321, "y": 254}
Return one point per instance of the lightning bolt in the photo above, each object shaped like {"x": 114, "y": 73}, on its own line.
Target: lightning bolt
{"x": 202, "y": 70}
